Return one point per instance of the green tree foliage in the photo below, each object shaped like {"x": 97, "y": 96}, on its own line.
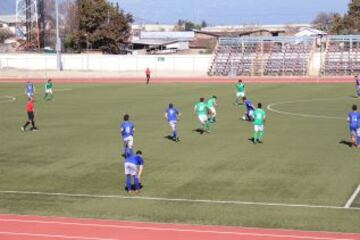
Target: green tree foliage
{"x": 100, "y": 26}
{"x": 185, "y": 25}
{"x": 350, "y": 22}
{"x": 325, "y": 21}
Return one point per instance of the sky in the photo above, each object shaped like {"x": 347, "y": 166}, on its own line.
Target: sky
{"x": 221, "y": 12}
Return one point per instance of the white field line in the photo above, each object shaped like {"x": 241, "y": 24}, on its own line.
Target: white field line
{"x": 7, "y": 99}
{"x": 184, "y": 200}
{"x": 353, "y": 197}
{"x": 52, "y": 236}
{"x": 175, "y": 229}
{"x": 271, "y": 106}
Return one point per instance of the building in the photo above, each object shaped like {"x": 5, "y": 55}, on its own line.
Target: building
{"x": 255, "y": 30}
{"x": 8, "y": 22}
{"x": 162, "y": 42}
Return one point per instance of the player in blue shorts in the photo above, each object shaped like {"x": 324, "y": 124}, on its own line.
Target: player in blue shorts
{"x": 172, "y": 115}
{"x": 127, "y": 132}
{"x": 134, "y": 167}
{"x": 30, "y": 90}
{"x": 354, "y": 124}
{"x": 250, "y": 108}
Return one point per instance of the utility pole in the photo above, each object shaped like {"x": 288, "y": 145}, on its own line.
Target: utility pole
{"x": 58, "y": 40}
{"x": 28, "y": 28}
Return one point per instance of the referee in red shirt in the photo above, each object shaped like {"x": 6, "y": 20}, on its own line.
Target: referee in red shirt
{"x": 30, "y": 109}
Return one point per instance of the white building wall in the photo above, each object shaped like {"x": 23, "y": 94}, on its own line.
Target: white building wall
{"x": 85, "y": 62}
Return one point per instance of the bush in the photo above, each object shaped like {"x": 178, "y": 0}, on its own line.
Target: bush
{"x": 5, "y": 34}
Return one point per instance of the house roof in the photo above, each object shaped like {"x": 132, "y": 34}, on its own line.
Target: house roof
{"x": 8, "y": 18}
{"x": 237, "y": 33}
{"x": 310, "y": 32}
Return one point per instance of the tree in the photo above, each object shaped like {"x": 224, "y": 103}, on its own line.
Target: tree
{"x": 100, "y": 25}
{"x": 50, "y": 23}
{"x": 351, "y": 21}
{"x": 5, "y": 34}
{"x": 324, "y": 21}
{"x": 185, "y": 25}
{"x": 204, "y": 24}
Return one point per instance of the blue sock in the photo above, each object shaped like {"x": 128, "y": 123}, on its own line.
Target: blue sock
{"x": 174, "y": 134}
{"x": 128, "y": 182}
{"x": 137, "y": 183}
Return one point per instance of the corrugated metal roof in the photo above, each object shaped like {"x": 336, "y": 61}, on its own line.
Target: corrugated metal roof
{"x": 153, "y": 42}
{"x": 184, "y": 36}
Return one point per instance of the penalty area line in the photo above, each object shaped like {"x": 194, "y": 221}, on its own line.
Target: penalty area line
{"x": 352, "y": 197}
{"x": 181, "y": 200}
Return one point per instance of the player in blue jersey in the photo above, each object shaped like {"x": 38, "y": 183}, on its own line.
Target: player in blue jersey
{"x": 127, "y": 132}
{"x": 172, "y": 115}
{"x": 30, "y": 90}
{"x": 250, "y": 108}
{"x": 354, "y": 124}
{"x": 357, "y": 85}
{"x": 134, "y": 167}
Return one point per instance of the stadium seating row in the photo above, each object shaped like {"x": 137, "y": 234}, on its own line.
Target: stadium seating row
{"x": 249, "y": 57}
{"x": 342, "y": 56}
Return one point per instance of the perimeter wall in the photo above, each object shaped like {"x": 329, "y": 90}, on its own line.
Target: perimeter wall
{"x": 94, "y": 62}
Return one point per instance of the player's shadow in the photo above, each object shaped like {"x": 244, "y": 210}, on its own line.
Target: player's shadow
{"x": 199, "y": 130}
{"x": 169, "y": 137}
{"x": 347, "y": 143}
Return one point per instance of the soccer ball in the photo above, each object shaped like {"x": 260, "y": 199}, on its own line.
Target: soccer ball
{"x": 244, "y": 117}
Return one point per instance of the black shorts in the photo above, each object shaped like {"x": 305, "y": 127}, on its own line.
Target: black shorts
{"x": 147, "y": 75}
{"x": 30, "y": 116}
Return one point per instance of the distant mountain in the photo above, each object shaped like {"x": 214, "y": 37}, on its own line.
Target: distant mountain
{"x": 7, "y": 7}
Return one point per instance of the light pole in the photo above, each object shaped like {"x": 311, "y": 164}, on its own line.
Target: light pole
{"x": 58, "y": 40}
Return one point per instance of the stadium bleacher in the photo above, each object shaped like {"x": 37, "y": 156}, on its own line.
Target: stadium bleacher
{"x": 258, "y": 56}
{"x": 342, "y": 56}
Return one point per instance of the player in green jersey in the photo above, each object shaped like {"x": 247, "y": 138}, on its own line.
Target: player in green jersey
{"x": 240, "y": 92}
{"x": 211, "y": 104}
{"x": 201, "y": 109}
{"x": 259, "y": 121}
{"x": 48, "y": 90}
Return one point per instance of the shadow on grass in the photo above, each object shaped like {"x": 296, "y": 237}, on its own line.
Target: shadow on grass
{"x": 169, "y": 137}
{"x": 347, "y": 143}
{"x": 199, "y": 130}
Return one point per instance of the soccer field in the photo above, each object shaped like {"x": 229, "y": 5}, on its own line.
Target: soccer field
{"x": 300, "y": 178}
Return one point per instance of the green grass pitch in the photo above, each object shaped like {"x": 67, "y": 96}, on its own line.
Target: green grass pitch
{"x": 78, "y": 150}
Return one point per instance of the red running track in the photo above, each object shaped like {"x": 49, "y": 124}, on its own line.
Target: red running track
{"x": 14, "y": 227}
{"x": 171, "y": 79}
